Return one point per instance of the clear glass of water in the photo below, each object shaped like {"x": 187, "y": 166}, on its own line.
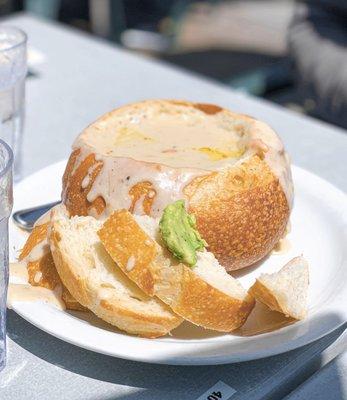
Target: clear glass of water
{"x": 13, "y": 70}
{"x": 6, "y": 201}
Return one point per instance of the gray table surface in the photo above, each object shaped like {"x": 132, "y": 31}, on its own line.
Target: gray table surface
{"x": 80, "y": 79}
{"x": 328, "y": 383}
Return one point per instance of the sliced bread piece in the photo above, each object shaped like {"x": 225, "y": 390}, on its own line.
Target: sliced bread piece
{"x": 38, "y": 259}
{"x": 96, "y": 282}
{"x": 286, "y": 290}
{"x": 205, "y": 294}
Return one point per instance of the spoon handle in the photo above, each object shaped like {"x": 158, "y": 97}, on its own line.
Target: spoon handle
{"x": 26, "y": 219}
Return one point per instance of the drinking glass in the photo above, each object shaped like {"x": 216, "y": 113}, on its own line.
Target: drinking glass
{"x": 6, "y": 200}
{"x": 13, "y": 69}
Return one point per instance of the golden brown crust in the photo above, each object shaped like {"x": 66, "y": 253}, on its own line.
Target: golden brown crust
{"x": 71, "y": 280}
{"x": 121, "y": 232}
{"x": 70, "y": 302}
{"x": 42, "y": 272}
{"x": 74, "y": 195}
{"x": 263, "y": 294}
{"x": 152, "y": 326}
{"x": 209, "y": 109}
{"x": 70, "y": 167}
{"x": 205, "y": 305}
{"x": 177, "y": 285}
{"x": 37, "y": 235}
{"x": 48, "y": 277}
{"x": 143, "y": 190}
{"x": 245, "y": 217}
{"x": 110, "y": 310}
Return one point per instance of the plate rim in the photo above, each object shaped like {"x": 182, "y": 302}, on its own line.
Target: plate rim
{"x": 189, "y": 359}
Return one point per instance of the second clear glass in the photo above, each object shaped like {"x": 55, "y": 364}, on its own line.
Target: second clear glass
{"x": 13, "y": 69}
{"x": 6, "y": 201}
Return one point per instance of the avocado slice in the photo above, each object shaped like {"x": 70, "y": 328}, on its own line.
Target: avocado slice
{"x": 179, "y": 233}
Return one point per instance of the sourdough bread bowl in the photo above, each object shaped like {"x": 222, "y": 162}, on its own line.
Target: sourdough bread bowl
{"x": 231, "y": 170}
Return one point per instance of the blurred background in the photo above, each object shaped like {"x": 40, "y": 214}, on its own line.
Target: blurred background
{"x": 291, "y": 53}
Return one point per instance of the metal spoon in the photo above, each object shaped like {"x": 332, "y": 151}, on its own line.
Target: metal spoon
{"x": 26, "y": 219}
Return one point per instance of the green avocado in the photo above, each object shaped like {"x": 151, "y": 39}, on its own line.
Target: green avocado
{"x": 179, "y": 233}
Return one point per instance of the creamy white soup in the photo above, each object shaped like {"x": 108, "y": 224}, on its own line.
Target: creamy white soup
{"x": 174, "y": 140}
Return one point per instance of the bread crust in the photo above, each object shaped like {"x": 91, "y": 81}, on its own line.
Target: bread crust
{"x": 42, "y": 271}
{"x": 74, "y": 195}
{"x": 246, "y": 216}
{"x": 177, "y": 285}
{"x": 260, "y": 292}
{"x": 207, "y": 306}
{"x": 242, "y": 211}
{"x": 110, "y": 310}
{"x": 279, "y": 300}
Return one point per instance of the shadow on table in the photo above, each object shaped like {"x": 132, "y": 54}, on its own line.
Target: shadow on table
{"x": 325, "y": 384}
{"x": 169, "y": 378}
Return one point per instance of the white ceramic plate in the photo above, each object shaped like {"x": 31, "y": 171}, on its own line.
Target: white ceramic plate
{"x": 318, "y": 230}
